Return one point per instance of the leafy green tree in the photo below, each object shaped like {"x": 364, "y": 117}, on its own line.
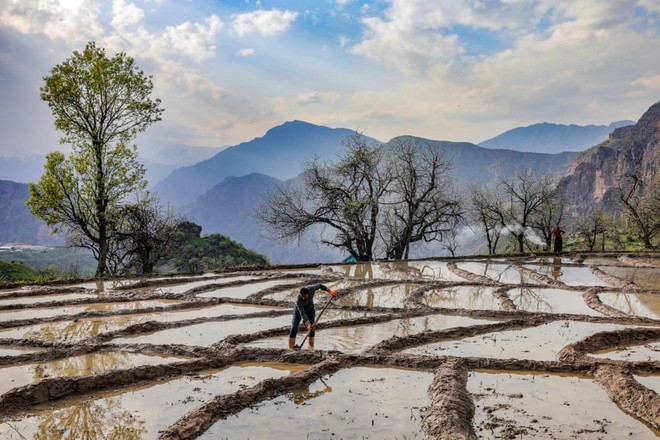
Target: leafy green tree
{"x": 99, "y": 104}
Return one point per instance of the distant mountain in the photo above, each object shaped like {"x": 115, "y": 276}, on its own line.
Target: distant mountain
{"x": 228, "y": 209}
{"x": 17, "y": 224}
{"x": 553, "y": 138}
{"x": 473, "y": 163}
{"x": 591, "y": 179}
{"x": 279, "y": 153}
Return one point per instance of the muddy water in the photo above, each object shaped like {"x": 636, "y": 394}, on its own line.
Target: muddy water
{"x": 134, "y": 413}
{"x": 185, "y": 287}
{"x": 503, "y": 273}
{"x": 16, "y": 351}
{"x": 207, "y": 333}
{"x": 648, "y": 278}
{"x": 571, "y": 276}
{"x": 9, "y": 315}
{"x": 85, "y": 365}
{"x": 383, "y": 296}
{"x": 355, "y": 403}
{"x": 550, "y": 301}
{"x": 46, "y": 298}
{"x": 320, "y": 297}
{"x": 547, "y": 407}
{"x": 75, "y": 331}
{"x": 359, "y": 338}
{"x": 541, "y": 343}
{"x": 242, "y": 291}
{"x": 651, "y": 382}
{"x": 462, "y": 297}
{"x": 647, "y": 352}
{"x": 637, "y": 304}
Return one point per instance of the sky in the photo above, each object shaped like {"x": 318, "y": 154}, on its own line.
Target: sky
{"x": 227, "y": 71}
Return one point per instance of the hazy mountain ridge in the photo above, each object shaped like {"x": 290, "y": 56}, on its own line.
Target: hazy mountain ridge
{"x": 229, "y": 207}
{"x": 17, "y": 224}
{"x": 553, "y": 138}
{"x": 279, "y": 153}
{"x": 591, "y": 179}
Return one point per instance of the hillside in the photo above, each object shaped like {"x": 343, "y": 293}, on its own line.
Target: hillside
{"x": 17, "y": 224}
{"x": 228, "y": 209}
{"x": 553, "y": 138}
{"x": 473, "y": 163}
{"x": 592, "y": 177}
{"x": 279, "y": 153}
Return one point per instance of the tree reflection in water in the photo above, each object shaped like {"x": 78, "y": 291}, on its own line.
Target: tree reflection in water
{"x": 84, "y": 365}
{"x": 98, "y": 419}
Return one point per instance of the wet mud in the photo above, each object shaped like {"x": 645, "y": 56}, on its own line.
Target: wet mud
{"x": 370, "y": 295}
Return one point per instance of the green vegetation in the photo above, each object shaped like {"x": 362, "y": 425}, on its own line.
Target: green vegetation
{"x": 195, "y": 253}
{"x": 12, "y": 272}
{"x": 100, "y": 104}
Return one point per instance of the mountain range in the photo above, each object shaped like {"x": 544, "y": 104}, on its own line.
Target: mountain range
{"x": 222, "y": 192}
{"x": 553, "y": 138}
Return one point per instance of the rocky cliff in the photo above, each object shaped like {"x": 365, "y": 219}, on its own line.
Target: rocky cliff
{"x": 592, "y": 178}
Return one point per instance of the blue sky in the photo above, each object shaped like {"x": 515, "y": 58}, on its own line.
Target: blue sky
{"x": 227, "y": 71}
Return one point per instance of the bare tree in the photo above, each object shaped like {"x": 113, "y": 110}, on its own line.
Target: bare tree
{"x": 591, "y": 226}
{"x": 345, "y": 196}
{"x": 641, "y": 203}
{"x": 422, "y": 204}
{"x": 147, "y": 231}
{"x": 528, "y": 194}
{"x": 487, "y": 213}
{"x": 549, "y": 214}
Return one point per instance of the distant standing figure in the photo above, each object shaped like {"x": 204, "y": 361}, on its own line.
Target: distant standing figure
{"x": 556, "y": 234}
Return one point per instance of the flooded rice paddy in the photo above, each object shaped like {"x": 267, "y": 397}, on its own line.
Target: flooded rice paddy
{"x": 508, "y": 347}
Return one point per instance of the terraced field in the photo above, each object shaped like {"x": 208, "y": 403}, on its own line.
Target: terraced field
{"x": 520, "y": 347}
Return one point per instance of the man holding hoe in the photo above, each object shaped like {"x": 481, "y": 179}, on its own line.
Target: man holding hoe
{"x": 304, "y": 310}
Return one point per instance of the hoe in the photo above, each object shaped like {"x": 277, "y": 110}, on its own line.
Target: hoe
{"x": 297, "y": 347}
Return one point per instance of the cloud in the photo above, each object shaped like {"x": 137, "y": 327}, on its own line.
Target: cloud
{"x": 247, "y": 52}
{"x": 196, "y": 41}
{"x": 265, "y": 23}
{"x": 125, "y": 15}
{"x": 73, "y": 21}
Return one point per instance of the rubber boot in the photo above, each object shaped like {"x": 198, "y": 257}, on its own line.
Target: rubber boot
{"x": 311, "y": 343}
{"x": 292, "y": 343}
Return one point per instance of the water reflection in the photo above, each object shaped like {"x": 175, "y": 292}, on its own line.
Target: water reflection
{"x": 301, "y": 395}
{"x": 637, "y": 304}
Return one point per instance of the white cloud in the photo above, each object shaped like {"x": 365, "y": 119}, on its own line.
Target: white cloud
{"x": 196, "y": 41}
{"x": 266, "y": 23}
{"x": 651, "y": 5}
{"x": 125, "y": 15}
{"x": 247, "y": 52}
{"x": 651, "y": 83}
{"x": 72, "y": 21}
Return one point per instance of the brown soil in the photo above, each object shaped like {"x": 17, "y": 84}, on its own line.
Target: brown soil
{"x": 451, "y": 407}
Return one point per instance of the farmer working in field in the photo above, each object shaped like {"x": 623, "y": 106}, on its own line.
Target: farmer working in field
{"x": 304, "y": 310}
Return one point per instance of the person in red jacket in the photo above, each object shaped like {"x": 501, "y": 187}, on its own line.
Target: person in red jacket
{"x": 304, "y": 311}
{"x": 557, "y": 234}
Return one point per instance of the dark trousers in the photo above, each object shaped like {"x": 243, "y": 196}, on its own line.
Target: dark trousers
{"x": 295, "y": 322}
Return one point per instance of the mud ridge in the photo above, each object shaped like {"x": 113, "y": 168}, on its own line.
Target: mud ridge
{"x": 593, "y": 301}
{"x": 200, "y": 419}
{"x": 607, "y": 340}
{"x": 614, "y": 281}
{"x": 630, "y": 395}
{"x": 452, "y": 408}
